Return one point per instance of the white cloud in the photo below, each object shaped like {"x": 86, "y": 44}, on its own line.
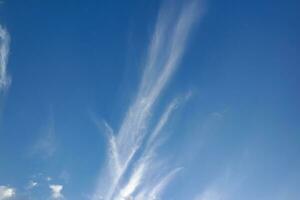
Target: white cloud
{"x": 124, "y": 176}
{"x": 6, "y": 192}
{"x": 4, "y": 51}
{"x": 56, "y": 191}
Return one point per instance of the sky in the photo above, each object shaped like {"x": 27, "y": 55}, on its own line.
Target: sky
{"x": 149, "y": 100}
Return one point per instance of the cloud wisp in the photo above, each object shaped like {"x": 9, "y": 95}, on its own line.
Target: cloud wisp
{"x": 32, "y": 184}
{"x": 132, "y": 170}
{"x": 46, "y": 145}
{"x": 4, "y": 51}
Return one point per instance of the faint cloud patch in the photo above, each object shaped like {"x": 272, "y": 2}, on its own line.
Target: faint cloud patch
{"x": 213, "y": 192}
{"x": 65, "y": 176}
{"x": 32, "y": 184}
{"x": 46, "y": 144}
{"x": 227, "y": 184}
{"x": 217, "y": 115}
{"x": 48, "y": 178}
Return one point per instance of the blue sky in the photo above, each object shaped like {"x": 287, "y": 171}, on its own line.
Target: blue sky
{"x": 144, "y": 100}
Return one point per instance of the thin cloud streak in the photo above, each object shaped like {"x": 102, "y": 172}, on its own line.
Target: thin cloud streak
{"x": 158, "y": 189}
{"x": 132, "y": 150}
{"x": 147, "y": 158}
{"x": 4, "y": 51}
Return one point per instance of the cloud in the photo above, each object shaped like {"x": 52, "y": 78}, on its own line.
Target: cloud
{"x": 225, "y": 185}
{"x": 46, "y": 144}
{"x": 160, "y": 186}
{"x": 210, "y": 195}
{"x": 32, "y": 184}
{"x": 127, "y": 174}
{"x": 48, "y": 178}
{"x": 4, "y": 51}
{"x": 7, "y": 193}
{"x": 65, "y": 176}
{"x": 56, "y": 191}
{"x": 221, "y": 189}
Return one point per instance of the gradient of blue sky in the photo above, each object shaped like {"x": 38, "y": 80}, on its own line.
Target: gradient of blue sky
{"x": 72, "y": 63}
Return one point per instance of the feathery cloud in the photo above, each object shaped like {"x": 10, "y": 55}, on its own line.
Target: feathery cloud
{"x": 127, "y": 174}
{"x": 4, "y": 51}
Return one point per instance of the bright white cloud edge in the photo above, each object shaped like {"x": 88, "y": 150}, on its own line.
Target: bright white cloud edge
{"x": 7, "y": 192}
{"x": 56, "y": 191}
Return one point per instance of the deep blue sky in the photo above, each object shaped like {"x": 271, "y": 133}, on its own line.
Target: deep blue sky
{"x": 73, "y": 61}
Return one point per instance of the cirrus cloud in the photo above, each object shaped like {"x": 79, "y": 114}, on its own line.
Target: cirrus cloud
{"x": 133, "y": 170}
{"x": 4, "y": 51}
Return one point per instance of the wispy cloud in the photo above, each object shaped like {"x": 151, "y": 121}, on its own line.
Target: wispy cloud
{"x": 128, "y": 174}
{"x": 227, "y": 184}
{"x": 46, "y": 144}
{"x": 7, "y": 193}
{"x": 56, "y": 191}
{"x": 32, "y": 184}
{"x": 4, "y": 51}
{"x": 211, "y": 194}
{"x": 219, "y": 190}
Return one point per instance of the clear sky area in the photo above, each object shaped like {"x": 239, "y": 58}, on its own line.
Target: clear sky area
{"x": 149, "y": 100}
